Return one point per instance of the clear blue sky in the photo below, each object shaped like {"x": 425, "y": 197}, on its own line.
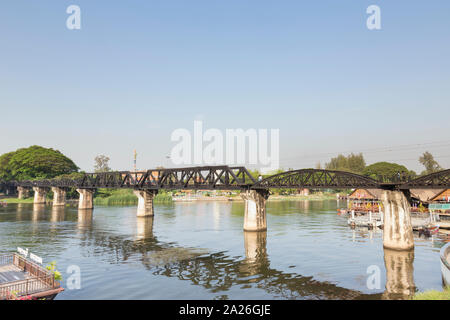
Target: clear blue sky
{"x": 137, "y": 70}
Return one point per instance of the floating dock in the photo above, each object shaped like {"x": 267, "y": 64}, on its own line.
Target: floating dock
{"x": 22, "y": 279}
{"x": 375, "y": 220}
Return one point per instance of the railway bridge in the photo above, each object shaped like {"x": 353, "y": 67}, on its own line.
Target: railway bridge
{"x": 395, "y": 197}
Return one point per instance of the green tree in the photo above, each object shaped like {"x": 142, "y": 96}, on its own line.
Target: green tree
{"x": 431, "y": 165}
{"x": 101, "y": 163}
{"x": 352, "y": 163}
{"x": 35, "y": 162}
{"x": 387, "y": 169}
{"x": 5, "y": 171}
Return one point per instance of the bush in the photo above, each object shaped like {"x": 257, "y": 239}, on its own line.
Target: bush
{"x": 125, "y": 197}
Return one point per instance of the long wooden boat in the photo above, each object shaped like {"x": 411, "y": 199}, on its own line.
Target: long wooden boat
{"x": 22, "y": 279}
{"x": 445, "y": 264}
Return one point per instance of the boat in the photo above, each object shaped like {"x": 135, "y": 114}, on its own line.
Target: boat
{"x": 23, "y": 279}
{"x": 365, "y": 222}
{"x": 445, "y": 264}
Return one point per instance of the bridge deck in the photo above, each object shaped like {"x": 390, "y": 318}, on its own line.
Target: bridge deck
{"x": 236, "y": 178}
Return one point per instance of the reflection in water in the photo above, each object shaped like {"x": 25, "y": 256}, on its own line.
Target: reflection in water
{"x": 21, "y": 207}
{"x": 255, "y": 245}
{"x": 85, "y": 218}
{"x": 399, "y": 274}
{"x": 144, "y": 227}
{"x": 58, "y": 213}
{"x": 38, "y": 211}
{"x": 255, "y": 253}
{"x": 217, "y": 272}
{"x": 308, "y": 253}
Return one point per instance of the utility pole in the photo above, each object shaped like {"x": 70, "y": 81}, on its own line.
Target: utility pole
{"x": 135, "y": 156}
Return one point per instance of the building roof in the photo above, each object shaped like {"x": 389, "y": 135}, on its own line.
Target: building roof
{"x": 425, "y": 195}
{"x": 440, "y": 195}
{"x": 374, "y": 193}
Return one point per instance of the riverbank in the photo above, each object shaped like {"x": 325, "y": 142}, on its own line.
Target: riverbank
{"x": 17, "y": 200}
{"x": 433, "y": 295}
{"x": 126, "y": 197}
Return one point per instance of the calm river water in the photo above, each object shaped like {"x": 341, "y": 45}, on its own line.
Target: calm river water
{"x": 198, "y": 250}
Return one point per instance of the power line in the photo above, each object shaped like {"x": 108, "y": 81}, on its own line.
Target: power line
{"x": 388, "y": 160}
{"x": 378, "y": 150}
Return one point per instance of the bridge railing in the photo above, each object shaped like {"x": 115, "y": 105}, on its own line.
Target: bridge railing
{"x": 395, "y": 178}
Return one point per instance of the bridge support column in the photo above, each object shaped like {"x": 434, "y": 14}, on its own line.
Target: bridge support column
{"x": 59, "y": 196}
{"x": 255, "y": 209}
{"x": 397, "y": 230}
{"x": 39, "y": 195}
{"x": 86, "y": 199}
{"x": 145, "y": 202}
{"x": 23, "y": 192}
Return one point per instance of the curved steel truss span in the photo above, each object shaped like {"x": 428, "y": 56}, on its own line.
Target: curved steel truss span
{"x": 437, "y": 180}
{"x": 316, "y": 178}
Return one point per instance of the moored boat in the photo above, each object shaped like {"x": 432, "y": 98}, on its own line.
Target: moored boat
{"x": 445, "y": 264}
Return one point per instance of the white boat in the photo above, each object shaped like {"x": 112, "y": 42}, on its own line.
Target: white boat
{"x": 445, "y": 264}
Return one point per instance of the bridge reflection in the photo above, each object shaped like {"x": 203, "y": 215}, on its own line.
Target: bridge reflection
{"x": 399, "y": 274}
{"x": 217, "y": 271}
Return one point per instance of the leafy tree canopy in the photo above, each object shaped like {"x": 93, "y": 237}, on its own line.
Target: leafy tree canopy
{"x": 35, "y": 162}
{"x": 386, "y": 169}
{"x": 431, "y": 165}
{"x": 352, "y": 163}
{"x": 101, "y": 163}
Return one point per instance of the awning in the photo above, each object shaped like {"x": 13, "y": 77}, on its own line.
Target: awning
{"x": 439, "y": 206}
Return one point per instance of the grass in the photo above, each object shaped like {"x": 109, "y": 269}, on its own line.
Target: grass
{"x": 433, "y": 295}
{"x": 16, "y": 200}
{"x": 125, "y": 197}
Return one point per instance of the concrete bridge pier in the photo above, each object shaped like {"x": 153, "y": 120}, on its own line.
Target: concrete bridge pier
{"x": 86, "y": 199}
{"x": 39, "y": 195}
{"x": 145, "y": 202}
{"x": 59, "y": 196}
{"x": 255, "y": 209}
{"x": 397, "y": 230}
{"x": 23, "y": 192}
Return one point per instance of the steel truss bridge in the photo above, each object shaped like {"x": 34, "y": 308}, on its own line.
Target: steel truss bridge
{"x": 236, "y": 178}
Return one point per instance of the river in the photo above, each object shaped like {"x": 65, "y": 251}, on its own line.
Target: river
{"x": 198, "y": 250}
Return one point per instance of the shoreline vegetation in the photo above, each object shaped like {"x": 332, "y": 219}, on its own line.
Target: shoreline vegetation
{"x": 125, "y": 197}
{"x": 433, "y": 295}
